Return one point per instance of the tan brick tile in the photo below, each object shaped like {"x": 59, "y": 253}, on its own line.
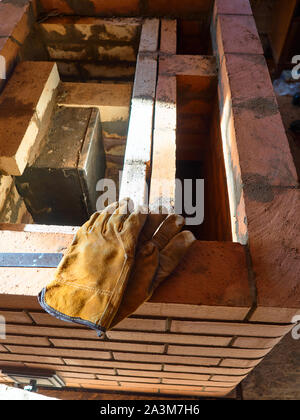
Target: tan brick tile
{"x": 237, "y": 363}
{"x": 192, "y": 311}
{"x": 241, "y": 329}
{"x": 41, "y": 80}
{"x": 16, "y": 317}
{"x": 136, "y": 379}
{"x": 163, "y": 374}
{"x": 217, "y": 352}
{"x": 166, "y": 359}
{"x": 195, "y": 383}
{"x": 207, "y": 370}
{"x": 25, "y": 340}
{"x": 107, "y": 345}
{"x": 255, "y": 343}
{"x": 59, "y": 352}
{"x": 29, "y": 358}
{"x": 170, "y": 338}
{"x": 168, "y": 39}
{"x": 112, "y": 364}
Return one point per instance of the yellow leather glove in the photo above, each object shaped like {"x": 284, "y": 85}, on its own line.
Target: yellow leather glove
{"x": 91, "y": 278}
{"x": 159, "y": 251}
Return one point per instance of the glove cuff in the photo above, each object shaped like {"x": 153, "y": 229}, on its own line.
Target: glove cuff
{"x": 63, "y": 317}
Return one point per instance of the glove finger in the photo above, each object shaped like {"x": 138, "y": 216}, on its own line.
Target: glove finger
{"x": 103, "y": 217}
{"x": 89, "y": 224}
{"x": 171, "y": 255}
{"x": 86, "y": 228}
{"x": 132, "y": 226}
{"x": 152, "y": 224}
{"x": 120, "y": 214}
{"x": 168, "y": 229}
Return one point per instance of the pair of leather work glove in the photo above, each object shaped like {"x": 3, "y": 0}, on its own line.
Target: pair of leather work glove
{"x": 116, "y": 261}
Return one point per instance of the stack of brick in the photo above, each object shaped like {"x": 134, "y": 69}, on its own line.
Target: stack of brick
{"x": 16, "y": 22}
{"x": 194, "y": 337}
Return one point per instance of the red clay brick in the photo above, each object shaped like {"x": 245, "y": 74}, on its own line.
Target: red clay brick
{"x": 60, "y": 352}
{"x": 6, "y": 363}
{"x": 192, "y": 311}
{"x": 149, "y": 36}
{"x": 264, "y": 153}
{"x": 34, "y": 238}
{"x": 232, "y": 300}
{"x": 41, "y": 80}
{"x": 248, "y": 76}
{"x": 238, "y": 34}
{"x": 207, "y": 370}
{"x": 73, "y": 384}
{"x": 77, "y": 375}
{"x": 195, "y": 383}
{"x": 62, "y": 368}
{"x": 163, "y": 374}
{"x": 193, "y": 389}
{"x": 278, "y": 315}
{"x": 217, "y": 352}
{"x": 138, "y": 388}
{"x": 51, "y": 332}
{"x": 240, "y": 329}
{"x": 134, "y": 324}
{"x": 215, "y": 389}
{"x": 107, "y": 345}
{"x": 165, "y": 108}
{"x": 99, "y": 382}
{"x": 17, "y": 317}
{"x": 10, "y": 16}
{"x": 166, "y": 359}
{"x": 131, "y": 379}
{"x": 25, "y": 340}
{"x": 13, "y": 301}
{"x": 112, "y": 364}
{"x": 164, "y": 160}
{"x": 42, "y": 318}
{"x": 200, "y": 277}
{"x": 170, "y": 338}
{"x": 255, "y": 343}
{"x": 28, "y": 358}
{"x": 168, "y": 39}
{"x": 227, "y": 378}
{"x": 203, "y": 67}
{"x": 240, "y": 363}
{"x": 233, "y": 7}
{"x": 275, "y": 250}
